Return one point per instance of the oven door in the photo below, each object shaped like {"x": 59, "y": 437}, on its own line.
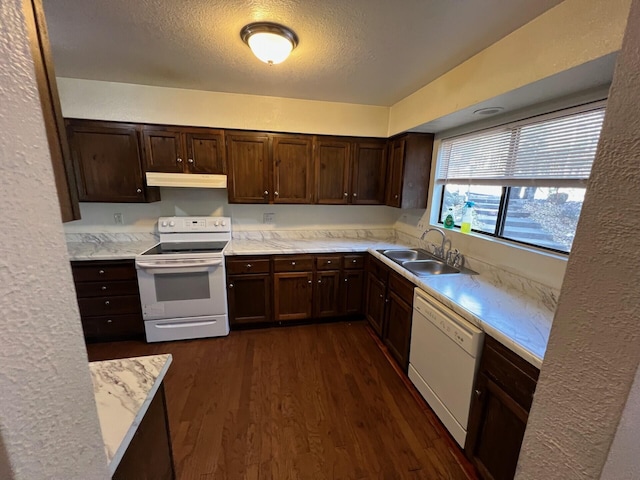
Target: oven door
{"x": 181, "y": 288}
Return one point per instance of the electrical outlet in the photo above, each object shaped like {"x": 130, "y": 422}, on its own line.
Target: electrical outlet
{"x": 269, "y": 218}
{"x": 117, "y": 218}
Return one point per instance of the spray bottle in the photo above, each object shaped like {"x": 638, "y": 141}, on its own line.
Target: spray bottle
{"x": 467, "y": 217}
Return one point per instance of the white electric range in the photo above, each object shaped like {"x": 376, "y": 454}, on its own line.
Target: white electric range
{"x": 182, "y": 279}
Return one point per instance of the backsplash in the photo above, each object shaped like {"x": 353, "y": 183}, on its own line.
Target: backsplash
{"x": 107, "y": 237}
{"x": 383, "y": 234}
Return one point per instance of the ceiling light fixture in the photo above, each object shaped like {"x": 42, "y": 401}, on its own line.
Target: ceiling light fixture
{"x": 488, "y": 111}
{"x": 270, "y": 42}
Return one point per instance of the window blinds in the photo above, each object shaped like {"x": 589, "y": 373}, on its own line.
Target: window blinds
{"x": 553, "y": 150}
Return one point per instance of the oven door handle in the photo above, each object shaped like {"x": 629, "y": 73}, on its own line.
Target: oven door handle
{"x": 185, "y": 324}
{"x": 177, "y": 266}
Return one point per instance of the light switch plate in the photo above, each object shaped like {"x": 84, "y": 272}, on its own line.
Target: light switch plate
{"x": 117, "y": 218}
{"x": 269, "y": 218}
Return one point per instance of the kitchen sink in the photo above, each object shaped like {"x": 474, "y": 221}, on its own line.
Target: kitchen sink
{"x": 429, "y": 267}
{"x": 407, "y": 255}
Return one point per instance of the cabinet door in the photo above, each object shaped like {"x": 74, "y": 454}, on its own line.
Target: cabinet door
{"x": 248, "y": 167}
{"x": 369, "y": 172}
{"x": 61, "y": 162}
{"x": 249, "y": 299}
{"x": 375, "y": 303}
{"x": 205, "y": 151}
{"x": 397, "y": 331}
{"x": 352, "y": 289}
{"x": 394, "y": 175}
{"x": 496, "y": 429}
{"x": 106, "y": 158}
{"x": 292, "y": 169}
{"x": 293, "y": 292}
{"x": 332, "y": 160}
{"x": 326, "y": 298}
{"x": 163, "y": 150}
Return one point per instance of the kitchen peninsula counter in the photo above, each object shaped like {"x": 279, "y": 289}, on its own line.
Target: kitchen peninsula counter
{"x": 129, "y": 394}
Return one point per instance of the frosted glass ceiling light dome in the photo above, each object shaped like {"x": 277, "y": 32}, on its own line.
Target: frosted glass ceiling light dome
{"x": 270, "y": 42}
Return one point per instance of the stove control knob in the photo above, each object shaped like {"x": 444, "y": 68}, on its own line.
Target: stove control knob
{"x": 172, "y": 223}
{"x": 164, "y": 224}
{"x": 224, "y": 223}
{"x": 216, "y": 223}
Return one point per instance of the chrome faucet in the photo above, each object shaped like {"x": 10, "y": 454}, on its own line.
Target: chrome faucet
{"x": 437, "y": 251}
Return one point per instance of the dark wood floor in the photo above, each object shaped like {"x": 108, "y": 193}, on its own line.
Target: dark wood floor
{"x": 307, "y": 402}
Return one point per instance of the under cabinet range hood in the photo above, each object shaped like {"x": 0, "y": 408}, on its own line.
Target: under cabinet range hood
{"x": 192, "y": 180}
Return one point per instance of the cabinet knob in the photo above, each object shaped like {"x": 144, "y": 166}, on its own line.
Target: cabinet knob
{"x": 104, "y": 287}
{"x": 478, "y": 393}
{"x": 309, "y": 281}
{"x": 353, "y": 261}
{"x": 179, "y": 160}
{"x": 106, "y": 302}
{"x": 275, "y": 193}
{"x": 266, "y": 192}
{"x": 319, "y": 281}
{"x": 293, "y": 263}
{"x": 249, "y": 265}
{"x": 101, "y": 272}
{"x": 231, "y": 285}
{"x": 139, "y": 190}
{"x": 386, "y": 300}
{"x": 381, "y": 296}
{"x": 190, "y": 160}
{"x": 328, "y": 262}
{"x": 395, "y": 196}
{"x": 346, "y": 279}
{"x": 355, "y": 194}
{"x": 109, "y": 321}
{"x": 346, "y": 194}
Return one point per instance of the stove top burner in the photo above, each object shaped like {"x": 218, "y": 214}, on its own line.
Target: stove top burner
{"x": 167, "y": 248}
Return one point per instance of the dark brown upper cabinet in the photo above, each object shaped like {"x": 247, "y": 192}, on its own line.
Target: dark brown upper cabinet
{"x": 368, "y": 172}
{"x": 248, "y": 156}
{"x": 409, "y": 169}
{"x": 107, "y": 162}
{"x": 332, "y": 166}
{"x": 63, "y": 171}
{"x": 183, "y": 150}
{"x": 292, "y": 168}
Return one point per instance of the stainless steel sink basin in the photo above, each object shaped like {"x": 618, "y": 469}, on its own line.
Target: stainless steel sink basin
{"x": 429, "y": 267}
{"x": 401, "y": 255}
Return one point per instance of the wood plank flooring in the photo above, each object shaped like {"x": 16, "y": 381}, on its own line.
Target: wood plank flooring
{"x": 306, "y": 402}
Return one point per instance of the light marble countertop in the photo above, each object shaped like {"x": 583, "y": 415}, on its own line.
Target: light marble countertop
{"x": 519, "y": 321}
{"x": 124, "y": 389}
{"x": 86, "y": 251}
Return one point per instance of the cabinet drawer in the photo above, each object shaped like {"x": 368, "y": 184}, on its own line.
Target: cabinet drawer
{"x": 99, "y": 272}
{"x": 113, "y": 326}
{"x": 353, "y": 262}
{"x": 402, "y": 287}
{"x": 106, "y": 289}
{"x": 514, "y": 375}
{"x": 247, "y": 265}
{"x": 95, "y": 306}
{"x": 377, "y": 268}
{"x": 328, "y": 262}
{"x": 293, "y": 264}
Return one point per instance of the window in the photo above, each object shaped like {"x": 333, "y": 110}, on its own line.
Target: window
{"x": 527, "y": 179}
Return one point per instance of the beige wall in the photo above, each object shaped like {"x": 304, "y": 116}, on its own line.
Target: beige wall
{"x": 174, "y": 106}
{"x": 48, "y": 421}
{"x": 571, "y": 34}
{"x": 593, "y": 352}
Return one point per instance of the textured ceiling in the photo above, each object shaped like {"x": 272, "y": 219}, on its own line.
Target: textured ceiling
{"x": 357, "y": 51}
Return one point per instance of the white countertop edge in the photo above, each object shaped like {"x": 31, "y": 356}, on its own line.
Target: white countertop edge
{"x": 117, "y": 456}
{"x": 501, "y": 337}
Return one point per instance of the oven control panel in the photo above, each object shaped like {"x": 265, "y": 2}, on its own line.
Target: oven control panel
{"x": 193, "y": 224}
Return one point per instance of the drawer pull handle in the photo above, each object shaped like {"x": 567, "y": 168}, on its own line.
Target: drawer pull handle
{"x": 353, "y": 261}
{"x": 106, "y": 302}
{"x": 109, "y": 321}
{"x": 101, "y": 272}
{"x": 104, "y": 287}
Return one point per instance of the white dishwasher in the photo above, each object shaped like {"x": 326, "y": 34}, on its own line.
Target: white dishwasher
{"x": 443, "y": 361}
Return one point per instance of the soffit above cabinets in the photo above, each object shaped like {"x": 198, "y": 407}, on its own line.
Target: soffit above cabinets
{"x": 372, "y": 52}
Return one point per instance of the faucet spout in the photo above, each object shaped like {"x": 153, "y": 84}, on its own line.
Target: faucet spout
{"x": 438, "y": 251}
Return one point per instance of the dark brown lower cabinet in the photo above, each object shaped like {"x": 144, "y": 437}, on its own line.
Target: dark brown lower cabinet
{"x": 375, "y": 302}
{"x": 499, "y": 411}
{"x": 149, "y": 455}
{"x": 326, "y": 298}
{"x": 108, "y": 299}
{"x": 352, "y": 291}
{"x": 293, "y": 295}
{"x": 397, "y": 332}
{"x": 249, "y": 298}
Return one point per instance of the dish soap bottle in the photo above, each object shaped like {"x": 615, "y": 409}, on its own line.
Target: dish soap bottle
{"x": 449, "y": 220}
{"x": 467, "y": 217}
